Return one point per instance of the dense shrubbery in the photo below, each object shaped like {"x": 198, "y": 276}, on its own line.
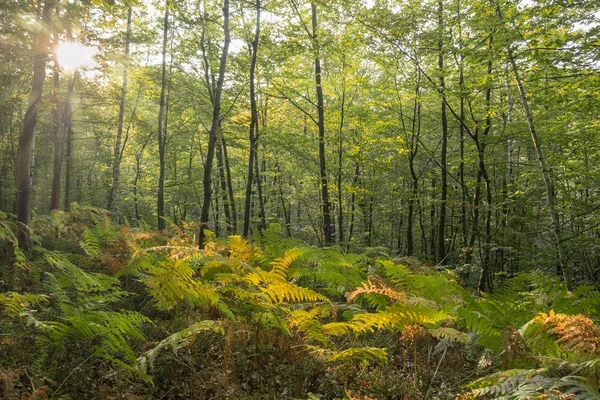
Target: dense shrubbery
{"x": 96, "y": 311}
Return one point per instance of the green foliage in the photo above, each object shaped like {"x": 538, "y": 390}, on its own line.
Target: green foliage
{"x": 528, "y": 384}
{"x": 176, "y": 341}
{"x": 16, "y": 304}
{"x": 363, "y": 355}
{"x": 112, "y": 331}
{"x": 7, "y": 234}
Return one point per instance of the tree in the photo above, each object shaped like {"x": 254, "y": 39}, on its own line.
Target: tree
{"x": 114, "y": 199}
{"x": 215, "y": 124}
{"x": 26, "y": 140}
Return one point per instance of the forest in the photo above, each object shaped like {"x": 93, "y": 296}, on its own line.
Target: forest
{"x": 294, "y": 199}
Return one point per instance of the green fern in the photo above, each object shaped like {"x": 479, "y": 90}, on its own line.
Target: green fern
{"x": 363, "y": 355}
{"x": 7, "y": 234}
{"x": 450, "y": 334}
{"x": 528, "y": 384}
{"x": 16, "y": 304}
{"x": 176, "y": 341}
{"x": 112, "y": 329}
{"x": 90, "y": 242}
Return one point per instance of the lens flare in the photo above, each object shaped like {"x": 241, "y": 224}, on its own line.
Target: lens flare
{"x": 73, "y": 55}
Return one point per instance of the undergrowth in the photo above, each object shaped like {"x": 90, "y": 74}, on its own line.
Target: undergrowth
{"x": 93, "y": 310}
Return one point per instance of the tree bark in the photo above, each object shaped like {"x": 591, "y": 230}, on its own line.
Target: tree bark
{"x": 160, "y": 132}
{"x": 114, "y": 201}
{"x": 444, "y": 173}
{"x": 229, "y": 186}
{"x": 412, "y": 154}
{"x": 328, "y": 227}
{"x": 253, "y": 124}
{"x": 549, "y": 185}
{"x": 212, "y": 139}
{"x": 27, "y": 138}
{"x": 223, "y": 183}
{"x": 58, "y": 140}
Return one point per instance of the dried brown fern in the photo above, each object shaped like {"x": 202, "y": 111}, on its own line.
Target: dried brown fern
{"x": 573, "y": 332}
{"x": 376, "y": 285}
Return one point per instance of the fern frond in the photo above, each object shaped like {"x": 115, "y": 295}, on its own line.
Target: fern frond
{"x": 114, "y": 329}
{"x": 178, "y": 340}
{"x": 90, "y": 243}
{"x": 307, "y": 322}
{"x": 213, "y": 267}
{"x": 281, "y": 266}
{"x": 529, "y": 384}
{"x": 173, "y": 281}
{"x": 375, "y": 285}
{"x": 281, "y": 292}
{"x": 450, "y": 334}
{"x": 15, "y": 303}
{"x": 240, "y": 249}
{"x": 363, "y": 355}
{"x": 7, "y": 234}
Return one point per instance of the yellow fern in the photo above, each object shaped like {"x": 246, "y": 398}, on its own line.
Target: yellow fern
{"x": 374, "y": 284}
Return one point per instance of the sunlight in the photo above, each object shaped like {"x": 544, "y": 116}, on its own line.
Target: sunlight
{"x": 73, "y": 55}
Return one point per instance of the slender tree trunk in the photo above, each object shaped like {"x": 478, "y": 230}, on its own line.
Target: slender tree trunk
{"x": 340, "y": 163}
{"x": 261, "y": 201}
{"x": 69, "y": 156}
{"x": 461, "y": 166}
{"x": 138, "y": 171}
{"x": 414, "y": 148}
{"x": 223, "y": 182}
{"x": 352, "y": 205}
{"x": 444, "y": 173}
{"x": 58, "y": 139}
{"x": 161, "y": 126}
{"x": 114, "y": 201}
{"x": 27, "y": 138}
{"x": 485, "y": 278}
{"x": 212, "y": 139}
{"x": 253, "y": 124}
{"x": 432, "y": 221}
{"x": 328, "y": 227}
{"x": 562, "y": 253}
{"x": 229, "y": 186}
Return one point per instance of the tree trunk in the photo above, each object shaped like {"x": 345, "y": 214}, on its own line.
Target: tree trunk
{"x": 414, "y": 148}
{"x": 261, "y": 201}
{"x": 328, "y": 228}
{"x": 27, "y": 138}
{"x": 114, "y": 201}
{"x": 253, "y": 124}
{"x": 340, "y": 163}
{"x": 223, "y": 183}
{"x": 229, "y": 186}
{"x": 58, "y": 140}
{"x": 212, "y": 139}
{"x": 444, "y": 173}
{"x": 352, "y": 205}
{"x": 160, "y": 132}
{"x": 69, "y": 157}
{"x": 562, "y": 254}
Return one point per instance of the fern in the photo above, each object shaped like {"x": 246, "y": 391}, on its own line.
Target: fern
{"x": 376, "y": 286}
{"x": 529, "y": 384}
{"x": 364, "y": 355}
{"x": 16, "y": 304}
{"x": 281, "y": 266}
{"x": 172, "y": 281}
{"x": 90, "y": 243}
{"x": 178, "y": 340}
{"x": 280, "y": 292}
{"x": 7, "y": 234}
{"x": 450, "y": 334}
{"x": 112, "y": 329}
